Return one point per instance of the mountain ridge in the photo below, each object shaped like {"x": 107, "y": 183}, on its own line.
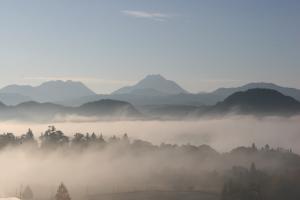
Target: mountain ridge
{"x": 40, "y": 112}
{"x": 154, "y": 82}
{"x": 289, "y": 91}
{"x": 50, "y": 91}
{"x": 259, "y": 101}
{"x": 140, "y": 94}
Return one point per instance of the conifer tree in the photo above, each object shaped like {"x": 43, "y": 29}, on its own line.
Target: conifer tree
{"x": 27, "y": 193}
{"x": 62, "y": 193}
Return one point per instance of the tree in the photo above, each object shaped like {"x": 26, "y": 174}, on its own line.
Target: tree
{"x": 125, "y": 138}
{"x": 253, "y": 168}
{"x": 28, "y": 138}
{"x": 267, "y": 147}
{"x": 254, "y": 148}
{"x": 53, "y": 138}
{"x": 93, "y": 137}
{"x": 62, "y": 193}
{"x": 244, "y": 184}
{"x": 7, "y": 139}
{"x": 101, "y": 139}
{"x": 27, "y": 193}
{"x": 87, "y": 137}
{"x": 113, "y": 139}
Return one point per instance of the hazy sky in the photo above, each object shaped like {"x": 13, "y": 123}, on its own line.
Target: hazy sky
{"x": 107, "y": 44}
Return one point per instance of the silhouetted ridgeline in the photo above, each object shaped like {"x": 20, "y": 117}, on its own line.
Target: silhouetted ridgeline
{"x": 260, "y": 102}
{"x": 51, "y": 91}
{"x": 256, "y": 102}
{"x": 157, "y": 90}
{"x": 152, "y": 90}
{"x": 104, "y": 109}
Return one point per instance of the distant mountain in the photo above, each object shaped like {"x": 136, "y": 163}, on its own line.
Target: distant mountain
{"x": 258, "y": 101}
{"x": 108, "y": 107}
{"x": 47, "y": 112}
{"x": 31, "y": 111}
{"x": 225, "y": 92}
{"x": 154, "y": 84}
{"x": 153, "y": 90}
{"x": 52, "y": 91}
{"x": 173, "y": 112}
{"x": 13, "y": 99}
{"x": 140, "y": 99}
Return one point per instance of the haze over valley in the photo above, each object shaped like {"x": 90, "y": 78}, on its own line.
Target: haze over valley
{"x": 149, "y": 100}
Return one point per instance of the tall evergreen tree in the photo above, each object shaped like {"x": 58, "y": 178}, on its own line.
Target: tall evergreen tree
{"x": 27, "y": 193}
{"x": 62, "y": 193}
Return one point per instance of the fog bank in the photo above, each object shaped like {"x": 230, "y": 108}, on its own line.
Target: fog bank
{"x": 222, "y": 134}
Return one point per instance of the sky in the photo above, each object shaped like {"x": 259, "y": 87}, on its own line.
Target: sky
{"x": 107, "y": 44}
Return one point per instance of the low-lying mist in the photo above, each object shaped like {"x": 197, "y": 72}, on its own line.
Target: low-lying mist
{"x": 114, "y": 169}
{"x": 221, "y": 133}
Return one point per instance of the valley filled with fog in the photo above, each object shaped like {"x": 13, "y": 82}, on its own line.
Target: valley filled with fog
{"x": 186, "y": 159}
{"x": 222, "y": 133}
{"x": 149, "y": 100}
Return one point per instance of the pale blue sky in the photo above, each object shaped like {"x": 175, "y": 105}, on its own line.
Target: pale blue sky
{"x": 107, "y": 44}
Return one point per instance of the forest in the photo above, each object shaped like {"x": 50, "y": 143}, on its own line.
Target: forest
{"x": 129, "y": 164}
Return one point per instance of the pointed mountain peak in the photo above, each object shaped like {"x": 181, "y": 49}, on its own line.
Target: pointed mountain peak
{"x": 153, "y": 82}
{"x": 150, "y": 79}
{"x": 155, "y": 76}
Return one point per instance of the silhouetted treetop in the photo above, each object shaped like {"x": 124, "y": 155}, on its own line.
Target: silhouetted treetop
{"x": 62, "y": 193}
{"x": 27, "y": 193}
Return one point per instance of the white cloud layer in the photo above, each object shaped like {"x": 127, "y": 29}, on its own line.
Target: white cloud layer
{"x": 147, "y": 15}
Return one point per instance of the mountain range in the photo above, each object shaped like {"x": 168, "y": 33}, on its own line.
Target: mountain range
{"x": 257, "y": 102}
{"x": 105, "y": 109}
{"x": 225, "y": 92}
{"x": 152, "y": 95}
{"x": 51, "y": 91}
{"x": 151, "y": 91}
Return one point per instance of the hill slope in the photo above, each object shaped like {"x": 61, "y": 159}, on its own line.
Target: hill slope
{"x": 47, "y": 112}
{"x": 13, "y": 99}
{"x": 108, "y": 107}
{"x": 259, "y": 101}
{"x": 225, "y": 92}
